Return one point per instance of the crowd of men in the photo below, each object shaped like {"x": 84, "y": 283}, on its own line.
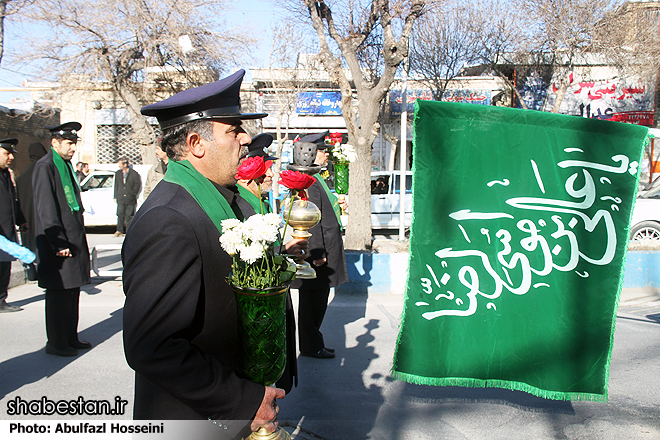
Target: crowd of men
{"x": 180, "y": 323}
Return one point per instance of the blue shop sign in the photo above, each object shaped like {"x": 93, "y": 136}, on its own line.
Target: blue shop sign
{"x": 318, "y": 103}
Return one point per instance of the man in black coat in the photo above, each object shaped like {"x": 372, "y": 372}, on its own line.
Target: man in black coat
{"x": 127, "y": 190}
{"x": 326, "y": 257}
{"x": 10, "y": 217}
{"x": 180, "y": 319}
{"x": 62, "y": 252}
{"x": 36, "y": 150}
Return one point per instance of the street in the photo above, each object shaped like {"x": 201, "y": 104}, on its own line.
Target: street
{"x": 352, "y": 396}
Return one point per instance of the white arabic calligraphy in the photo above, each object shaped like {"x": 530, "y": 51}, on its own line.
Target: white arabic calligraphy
{"x": 558, "y": 251}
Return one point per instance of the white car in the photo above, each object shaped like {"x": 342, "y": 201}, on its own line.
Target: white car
{"x": 645, "y": 224}
{"x": 98, "y": 192}
{"x": 385, "y": 199}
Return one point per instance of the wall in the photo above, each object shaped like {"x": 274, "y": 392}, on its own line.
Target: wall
{"x": 27, "y": 128}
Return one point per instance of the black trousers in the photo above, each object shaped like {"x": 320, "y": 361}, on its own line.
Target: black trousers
{"x": 125, "y": 214}
{"x": 312, "y": 304}
{"x": 62, "y": 316}
{"x": 5, "y": 276}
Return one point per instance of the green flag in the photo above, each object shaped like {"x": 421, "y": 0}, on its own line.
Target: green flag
{"x": 519, "y": 235}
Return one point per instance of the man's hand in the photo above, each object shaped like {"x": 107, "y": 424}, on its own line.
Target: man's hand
{"x": 64, "y": 253}
{"x": 266, "y": 416}
{"x": 296, "y": 247}
{"x": 320, "y": 262}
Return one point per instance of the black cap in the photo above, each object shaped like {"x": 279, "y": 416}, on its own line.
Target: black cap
{"x": 68, "y": 130}
{"x": 258, "y": 144}
{"x": 316, "y": 138}
{"x": 8, "y": 144}
{"x": 218, "y": 100}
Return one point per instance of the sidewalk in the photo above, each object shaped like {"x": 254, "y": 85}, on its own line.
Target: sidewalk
{"x": 350, "y": 397}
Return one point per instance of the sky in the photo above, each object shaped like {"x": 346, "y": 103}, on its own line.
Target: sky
{"x": 258, "y": 15}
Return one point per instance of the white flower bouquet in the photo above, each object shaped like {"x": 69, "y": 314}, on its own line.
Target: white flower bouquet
{"x": 343, "y": 153}
{"x": 252, "y": 247}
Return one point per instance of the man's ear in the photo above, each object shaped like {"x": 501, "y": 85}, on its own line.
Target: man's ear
{"x": 196, "y": 145}
{"x": 54, "y": 143}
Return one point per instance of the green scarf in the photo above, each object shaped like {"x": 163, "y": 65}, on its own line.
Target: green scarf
{"x": 207, "y": 196}
{"x": 253, "y": 200}
{"x": 67, "y": 180}
{"x": 333, "y": 199}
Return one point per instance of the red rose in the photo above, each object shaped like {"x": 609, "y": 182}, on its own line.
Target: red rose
{"x": 252, "y": 168}
{"x": 296, "y": 181}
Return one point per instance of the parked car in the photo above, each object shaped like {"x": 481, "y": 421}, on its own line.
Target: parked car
{"x": 646, "y": 214}
{"x": 98, "y": 192}
{"x": 385, "y": 199}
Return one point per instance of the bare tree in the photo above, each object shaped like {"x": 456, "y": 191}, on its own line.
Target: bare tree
{"x": 561, "y": 33}
{"x": 290, "y": 74}
{"x": 361, "y": 34}
{"x": 3, "y": 14}
{"x": 628, "y": 37}
{"x": 446, "y": 40}
{"x": 7, "y": 8}
{"x": 135, "y": 46}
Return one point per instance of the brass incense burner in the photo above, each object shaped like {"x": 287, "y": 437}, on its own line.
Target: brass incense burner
{"x": 301, "y": 216}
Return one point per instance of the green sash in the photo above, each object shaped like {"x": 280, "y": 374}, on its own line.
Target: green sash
{"x": 333, "y": 198}
{"x": 67, "y": 179}
{"x": 253, "y": 200}
{"x": 207, "y": 196}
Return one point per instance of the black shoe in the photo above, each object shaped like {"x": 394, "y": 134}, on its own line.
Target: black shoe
{"x": 82, "y": 345}
{"x": 66, "y": 351}
{"x": 331, "y": 350}
{"x": 321, "y": 354}
{"x": 6, "y": 308}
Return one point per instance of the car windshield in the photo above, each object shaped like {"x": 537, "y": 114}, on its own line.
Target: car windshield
{"x": 380, "y": 184}
{"x": 98, "y": 181}
{"x": 397, "y": 184}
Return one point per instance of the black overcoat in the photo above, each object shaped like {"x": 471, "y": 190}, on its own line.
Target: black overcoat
{"x": 326, "y": 242}
{"x": 26, "y": 196}
{"x": 127, "y": 192}
{"x": 57, "y": 227}
{"x": 180, "y": 323}
{"x": 10, "y": 211}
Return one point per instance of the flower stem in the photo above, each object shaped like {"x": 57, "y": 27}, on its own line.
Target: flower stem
{"x": 286, "y": 223}
{"x": 261, "y": 200}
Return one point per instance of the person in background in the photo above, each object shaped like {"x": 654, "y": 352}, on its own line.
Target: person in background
{"x": 249, "y": 191}
{"x": 36, "y": 150}
{"x": 79, "y": 172}
{"x": 327, "y": 258}
{"x": 85, "y": 171}
{"x": 127, "y": 190}
{"x": 62, "y": 250}
{"x": 10, "y": 217}
{"x": 157, "y": 172}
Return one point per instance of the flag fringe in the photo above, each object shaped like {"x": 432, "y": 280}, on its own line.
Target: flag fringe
{"x": 496, "y": 383}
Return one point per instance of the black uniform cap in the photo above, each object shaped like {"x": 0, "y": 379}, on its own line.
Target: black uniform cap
{"x": 316, "y": 138}
{"x": 8, "y": 144}
{"x": 68, "y": 130}
{"x": 218, "y": 100}
{"x": 258, "y": 144}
